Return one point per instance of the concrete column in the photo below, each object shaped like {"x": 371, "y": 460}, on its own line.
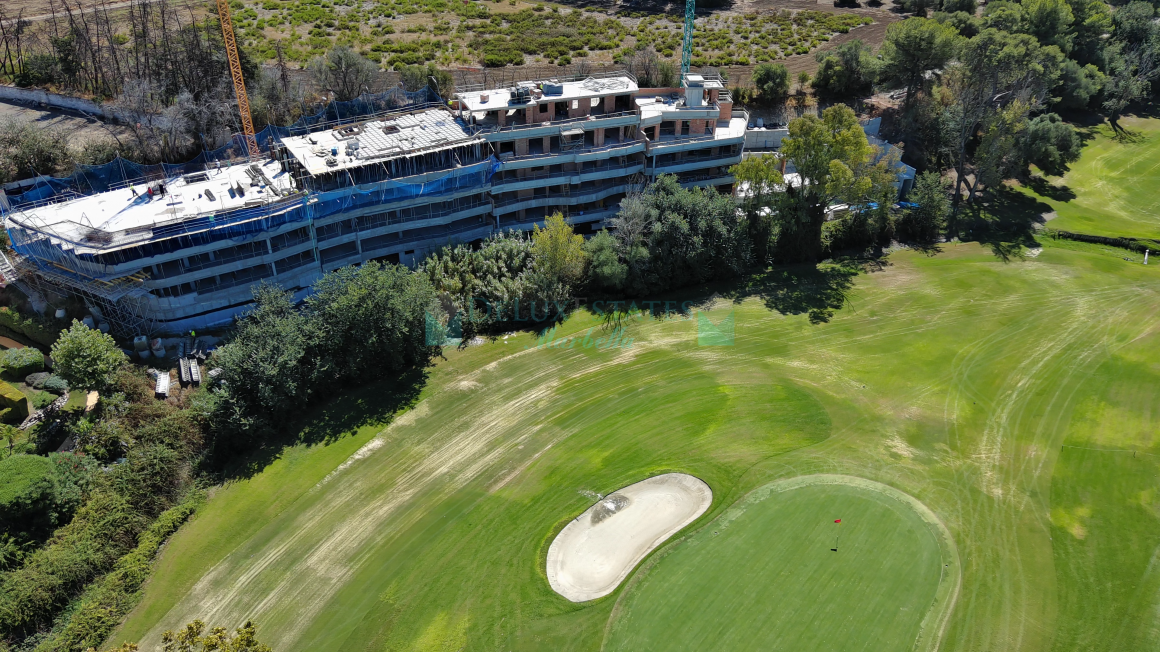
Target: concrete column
{"x": 522, "y": 147}
{"x": 547, "y": 144}
{"x": 598, "y": 138}
{"x": 501, "y": 117}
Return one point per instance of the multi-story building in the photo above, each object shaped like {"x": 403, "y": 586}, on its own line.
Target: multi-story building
{"x": 182, "y": 253}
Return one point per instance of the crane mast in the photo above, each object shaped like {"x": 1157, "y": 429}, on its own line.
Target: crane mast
{"x": 223, "y": 7}
{"x": 687, "y": 46}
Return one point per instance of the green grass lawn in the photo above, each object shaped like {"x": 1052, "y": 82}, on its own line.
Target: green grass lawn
{"x": 956, "y": 379}
{"x": 778, "y": 572}
{"x": 1112, "y": 189}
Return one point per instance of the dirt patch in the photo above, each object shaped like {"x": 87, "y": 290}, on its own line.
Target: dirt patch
{"x": 80, "y": 129}
{"x": 595, "y": 552}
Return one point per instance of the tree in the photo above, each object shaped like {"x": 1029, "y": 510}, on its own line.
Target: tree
{"x": 344, "y": 73}
{"x": 559, "y": 257}
{"x": 87, "y": 358}
{"x": 913, "y": 48}
{"x": 192, "y": 639}
{"x": 772, "y": 80}
{"x": 650, "y": 69}
{"x": 1049, "y": 21}
{"x": 1051, "y": 144}
{"x": 265, "y": 372}
{"x": 830, "y": 155}
{"x": 416, "y": 77}
{"x": 1079, "y": 84}
{"x": 803, "y": 79}
{"x": 605, "y": 270}
{"x": 759, "y": 181}
{"x": 995, "y": 70}
{"x": 846, "y": 71}
{"x": 925, "y": 221}
{"x": 1131, "y": 71}
{"x": 366, "y": 320}
{"x": 1133, "y": 22}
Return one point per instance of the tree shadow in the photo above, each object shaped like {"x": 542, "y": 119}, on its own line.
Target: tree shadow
{"x": 1044, "y": 188}
{"x": 1004, "y": 220}
{"x": 816, "y": 291}
{"x": 338, "y": 416}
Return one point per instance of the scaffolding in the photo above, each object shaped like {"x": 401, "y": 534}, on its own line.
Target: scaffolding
{"x": 123, "y": 303}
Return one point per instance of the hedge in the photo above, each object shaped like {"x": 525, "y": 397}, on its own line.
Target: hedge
{"x": 38, "y": 331}
{"x": 15, "y": 400}
{"x": 102, "y": 606}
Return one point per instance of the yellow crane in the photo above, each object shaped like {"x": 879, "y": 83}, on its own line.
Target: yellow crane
{"x": 223, "y": 7}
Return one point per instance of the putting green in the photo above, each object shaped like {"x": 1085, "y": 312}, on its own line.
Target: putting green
{"x": 765, "y": 575}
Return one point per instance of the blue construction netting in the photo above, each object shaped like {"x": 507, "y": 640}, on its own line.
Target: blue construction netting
{"x": 92, "y": 179}
{"x": 240, "y": 225}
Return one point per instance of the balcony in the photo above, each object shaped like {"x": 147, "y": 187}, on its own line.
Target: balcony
{"x": 694, "y": 163}
{"x": 571, "y": 177}
{"x": 551, "y": 127}
{"x": 569, "y": 197}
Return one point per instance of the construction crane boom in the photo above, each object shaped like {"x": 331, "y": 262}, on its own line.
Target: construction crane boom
{"x": 223, "y": 7}
{"x": 687, "y": 46}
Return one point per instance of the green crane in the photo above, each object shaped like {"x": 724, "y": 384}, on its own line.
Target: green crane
{"x": 687, "y": 46}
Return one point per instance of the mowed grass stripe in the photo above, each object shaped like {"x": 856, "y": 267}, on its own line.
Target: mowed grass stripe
{"x": 764, "y": 576}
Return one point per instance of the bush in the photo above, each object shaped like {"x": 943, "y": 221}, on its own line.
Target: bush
{"x": 86, "y": 357}
{"x": 55, "y": 384}
{"x": 27, "y": 496}
{"x": 102, "y": 606}
{"x": 21, "y": 362}
{"x": 41, "y": 400}
{"x": 15, "y": 401}
{"x": 35, "y": 329}
{"x": 103, "y": 530}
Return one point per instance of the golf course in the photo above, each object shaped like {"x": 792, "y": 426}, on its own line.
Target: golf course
{"x": 948, "y": 448}
{"x": 985, "y": 428}
{"x": 1111, "y": 190}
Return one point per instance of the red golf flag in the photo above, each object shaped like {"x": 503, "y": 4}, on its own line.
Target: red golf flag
{"x": 838, "y": 521}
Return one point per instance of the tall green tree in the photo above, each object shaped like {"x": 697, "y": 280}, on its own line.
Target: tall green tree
{"x": 912, "y": 49}
{"x": 772, "y": 80}
{"x": 367, "y": 320}
{"x": 559, "y": 258}
{"x": 825, "y": 153}
{"x": 847, "y": 71}
{"x": 1051, "y": 144}
{"x": 926, "y": 219}
{"x": 86, "y": 357}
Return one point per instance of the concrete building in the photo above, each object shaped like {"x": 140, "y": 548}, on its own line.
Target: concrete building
{"x": 170, "y": 255}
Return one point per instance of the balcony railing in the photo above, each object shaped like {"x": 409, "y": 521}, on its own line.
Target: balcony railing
{"x": 497, "y": 185}
{"x": 492, "y": 128}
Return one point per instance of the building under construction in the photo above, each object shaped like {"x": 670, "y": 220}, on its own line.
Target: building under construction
{"x": 168, "y": 255}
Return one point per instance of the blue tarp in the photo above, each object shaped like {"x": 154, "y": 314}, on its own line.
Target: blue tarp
{"x": 247, "y": 223}
{"x": 93, "y": 179}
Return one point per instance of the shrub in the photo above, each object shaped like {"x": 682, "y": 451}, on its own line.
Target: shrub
{"x": 41, "y": 400}
{"x": 103, "y": 605}
{"x": 103, "y": 530}
{"x": 34, "y": 329}
{"x": 21, "y": 362}
{"x": 56, "y": 384}
{"x": 86, "y": 358}
{"x": 27, "y": 495}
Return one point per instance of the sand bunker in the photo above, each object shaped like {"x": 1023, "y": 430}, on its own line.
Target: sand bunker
{"x": 594, "y": 553}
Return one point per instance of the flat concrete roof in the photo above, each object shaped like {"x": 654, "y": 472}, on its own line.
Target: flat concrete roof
{"x": 381, "y": 139}
{"x": 501, "y": 98}
{"x": 131, "y": 208}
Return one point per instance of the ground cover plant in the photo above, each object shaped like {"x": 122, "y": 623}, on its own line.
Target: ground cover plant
{"x": 1012, "y": 397}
